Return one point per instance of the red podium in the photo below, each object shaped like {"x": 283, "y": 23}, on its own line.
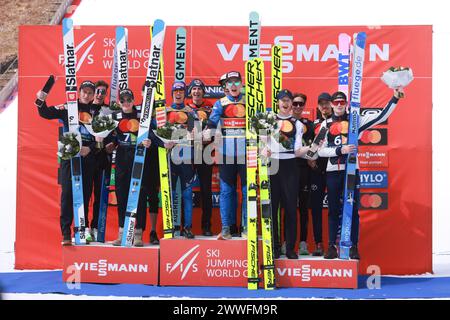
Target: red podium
{"x": 203, "y": 261}
{"x": 210, "y": 262}
{"x": 104, "y": 263}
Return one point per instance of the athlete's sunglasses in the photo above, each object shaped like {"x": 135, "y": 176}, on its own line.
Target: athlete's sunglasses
{"x": 231, "y": 83}
{"x": 100, "y": 92}
{"x": 338, "y": 103}
{"x": 298, "y": 103}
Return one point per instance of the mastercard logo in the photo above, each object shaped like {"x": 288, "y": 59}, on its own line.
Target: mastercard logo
{"x": 235, "y": 111}
{"x": 374, "y": 201}
{"x": 129, "y": 125}
{"x": 374, "y": 136}
{"x": 202, "y": 115}
{"x": 177, "y": 117}
{"x": 338, "y": 128}
{"x": 85, "y": 117}
{"x": 286, "y": 126}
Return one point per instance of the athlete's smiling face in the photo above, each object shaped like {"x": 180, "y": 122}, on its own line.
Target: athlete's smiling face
{"x": 100, "y": 94}
{"x": 339, "y": 106}
{"x": 126, "y": 103}
{"x": 178, "y": 96}
{"x": 298, "y": 105}
{"x": 234, "y": 86}
{"x": 285, "y": 105}
{"x": 325, "y": 107}
{"x": 197, "y": 93}
{"x": 86, "y": 95}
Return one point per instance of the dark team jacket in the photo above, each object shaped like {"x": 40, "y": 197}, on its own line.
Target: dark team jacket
{"x": 321, "y": 162}
{"x": 86, "y": 112}
{"x": 337, "y": 134}
{"x": 307, "y": 138}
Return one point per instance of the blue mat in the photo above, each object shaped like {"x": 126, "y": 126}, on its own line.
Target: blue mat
{"x": 391, "y": 288}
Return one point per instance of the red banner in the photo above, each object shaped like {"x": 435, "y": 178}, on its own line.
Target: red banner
{"x": 107, "y": 264}
{"x": 206, "y": 262}
{"x": 395, "y": 236}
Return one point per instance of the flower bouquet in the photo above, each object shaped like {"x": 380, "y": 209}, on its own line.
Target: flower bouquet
{"x": 100, "y": 127}
{"x": 172, "y": 132}
{"x": 264, "y": 123}
{"x": 396, "y": 78}
{"x": 68, "y": 145}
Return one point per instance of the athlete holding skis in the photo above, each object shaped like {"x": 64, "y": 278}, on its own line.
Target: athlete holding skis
{"x": 336, "y": 149}
{"x": 87, "y": 150}
{"x": 204, "y": 168}
{"x": 102, "y": 156}
{"x": 182, "y": 154}
{"x": 125, "y": 140}
{"x": 230, "y": 113}
{"x": 284, "y": 176}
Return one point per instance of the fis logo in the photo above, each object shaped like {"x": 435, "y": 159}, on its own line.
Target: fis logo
{"x": 83, "y": 54}
{"x": 185, "y": 267}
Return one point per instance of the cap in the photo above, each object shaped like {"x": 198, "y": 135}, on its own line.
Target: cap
{"x": 222, "y": 79}
{"x": 126, "y": 93}
{"x": 324, "y": 96}
{"x": 87, "y": 84}
{"x": 196, "y": 83}
{"x": 285, "y": 93}
{"x": 338, "y": 95}
{"x": 179, "y": 85}
{"x": 233, "y": 74}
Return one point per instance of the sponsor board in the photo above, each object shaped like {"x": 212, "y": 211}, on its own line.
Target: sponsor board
{"x": 210, "y": 262}
{"x": 373, "y": 179}
{"x": 108, "y": 264}
{"x": 373, "y": 158}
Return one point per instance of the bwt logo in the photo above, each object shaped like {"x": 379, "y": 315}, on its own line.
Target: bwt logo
{"x": 293, "y": 51}
{"x": 86, "y": 55}
{"x": 185, "y": 267}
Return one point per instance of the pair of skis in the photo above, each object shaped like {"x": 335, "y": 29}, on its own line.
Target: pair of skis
{"x": 154, "y": 63}
{"x": 255, "y": 103}
{"x": 359, "y": 43}
{"x": 119, "y": 81}
{"x": 73, "y": 123}
{"x": 170, "y": 202}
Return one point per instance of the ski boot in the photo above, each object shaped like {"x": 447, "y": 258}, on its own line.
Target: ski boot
{"x": 118, "y": 241}
{"x": 303, "y": 250}
{"x": 225, "y": 234}
{"x": 154, "y": 237}
{"x": 319, "y": 250}
{"x": 187, "y": 233}
{"x": 332, "y": 252}
{"x": 354, "y": 254}
{"x": 138, "y": 238}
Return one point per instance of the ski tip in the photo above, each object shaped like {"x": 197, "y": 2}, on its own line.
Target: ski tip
{"x": 361, "y": 39}
{"x": 254, "y": 15}
{"x": 344, "y": 37}
{"x": 158, "y": 26}
{"x": 181, "y": 30}
{"x": 120, "y": 33}
{"x": 67, "y": 24}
